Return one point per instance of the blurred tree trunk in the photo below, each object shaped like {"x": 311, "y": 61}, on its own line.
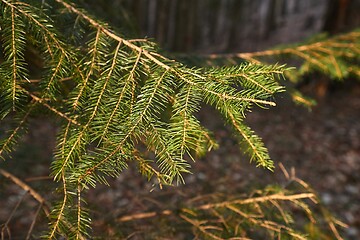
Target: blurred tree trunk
{"x": 342, "y": 15}
{"x": 233, "y": 25}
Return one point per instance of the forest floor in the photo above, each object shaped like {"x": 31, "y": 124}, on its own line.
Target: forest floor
{"x": 322, "y": 145}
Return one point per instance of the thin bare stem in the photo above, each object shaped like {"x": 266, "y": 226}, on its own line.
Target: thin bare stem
{"x": 6, "y": 224}
{"x": 34, "y": 221}
{"x": 28, "y": 189}
{"x": 41, "y": 101}
{"x": 280, "y": 197}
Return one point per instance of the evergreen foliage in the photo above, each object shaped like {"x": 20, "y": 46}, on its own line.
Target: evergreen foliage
{"x": 335, "y": 56}
{"x": 115, "y": 101}
{"x": 113, "y": 95}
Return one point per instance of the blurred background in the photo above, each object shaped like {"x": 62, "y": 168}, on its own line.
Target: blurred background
{"x": 227, "y": 25}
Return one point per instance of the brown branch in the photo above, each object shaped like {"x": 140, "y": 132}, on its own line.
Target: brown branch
{"x": 327, "y": 43}
{"x": 5, "y": 225}
{"x": 28, "y": 189}
{"x": 106, "y": 31}
{"x": 138, "y": 216}
{"x": 41, "y": 101}
{"x": 39, "y": 178}
{"x": 34, "y": 221}
{"x": 199, "y": 225}
{"x": 260, "y": 199}
{"x": 39, "y": 80}
{"x": 43, "y": 203}
{"x": 271, "y": 198}
{"x": 328, "y": 219}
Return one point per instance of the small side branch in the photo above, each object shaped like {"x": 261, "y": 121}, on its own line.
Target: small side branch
{"x": 112, "y": 35}
{"x": 41, "y": 101}
{"x": 145, "y": 215}
{"x": 28, "y": 189}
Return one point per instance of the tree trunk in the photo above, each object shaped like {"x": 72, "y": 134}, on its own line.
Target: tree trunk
{"x": 235, "y": 25}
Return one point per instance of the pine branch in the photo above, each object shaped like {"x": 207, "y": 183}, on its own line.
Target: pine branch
{"x": 112, "y": 35}
{"x": 143, "y": 106}
{"x": 93, "y": 51}
{"x": 7, "y": 144}
{"x": 253, "y": 144}
{"x": 336, "y": 56}
{"x": 14, "y": 42}
{"x": 158, "y": 139}
{"x": 130, "y": 79}
{"x": 334, "y": 46}
{"x": 118, "y": 93}
{"x": 42, "y": 22}
{"x": 231, "y": 218}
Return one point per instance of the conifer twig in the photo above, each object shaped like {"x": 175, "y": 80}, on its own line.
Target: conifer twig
{"x": 307, "y": 47}
{"x": 111, "y": 34}
{"x": 330, "y": 221}
{"x": 273, "y": 197}
{"x": 126, "y": 94}
{"x": 15, "y": 131}
{"x": 41, "y": 101}
{"x": 43, "y": 203}
{"x": 280, "y": 197}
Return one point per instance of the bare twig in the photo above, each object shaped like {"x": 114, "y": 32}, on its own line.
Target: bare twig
{"x": 331, "y": 222}
{"x": 34, "y": 221}
{"x": 199, "y": 225}
{"x": 41, "y": 101}
{"x": 28, "y": 189}
{"x": 280, "y": 197}
{"x": 5, "y": 226}
{"x": 222, "y": 204}
{"x": 143, "y": 216}
{"x": 43, "y": 203}
{"x": 31, "y": 179}
{"x": 39, "y": 80}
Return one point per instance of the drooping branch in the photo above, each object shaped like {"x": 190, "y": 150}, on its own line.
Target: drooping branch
{"x": 352, "y": 37}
